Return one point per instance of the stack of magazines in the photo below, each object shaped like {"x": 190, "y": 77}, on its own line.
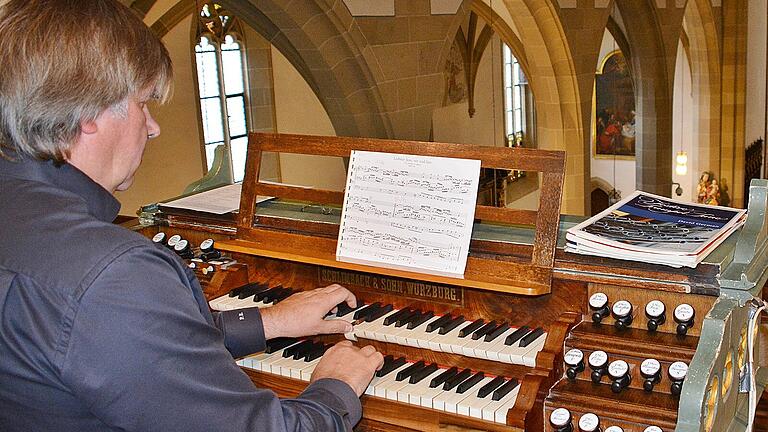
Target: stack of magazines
{"x": 654, "y": 229}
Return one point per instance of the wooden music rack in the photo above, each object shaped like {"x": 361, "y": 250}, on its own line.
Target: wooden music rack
{"x": 312, "y": 242}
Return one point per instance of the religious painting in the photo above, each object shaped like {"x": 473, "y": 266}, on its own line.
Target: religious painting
{"x": 614, "y": 109}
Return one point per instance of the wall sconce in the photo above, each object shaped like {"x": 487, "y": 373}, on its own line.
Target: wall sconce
{"x": 681, "y": 163}
{"x": 678, "y": 189}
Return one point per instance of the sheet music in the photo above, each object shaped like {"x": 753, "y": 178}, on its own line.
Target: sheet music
{"x": 408, "y": 212}
{"x": 220, "y": 200}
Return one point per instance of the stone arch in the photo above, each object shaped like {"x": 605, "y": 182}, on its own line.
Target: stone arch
{"x": 704, "y": 58}
{"x": 323, "y": 44}
{"x": 653, "y": 40}
{"x": 604, "y": 191}
{"x": 504, "y": 31}
{"x": 552, "y": 78}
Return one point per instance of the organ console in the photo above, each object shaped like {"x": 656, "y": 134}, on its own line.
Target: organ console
{"x": 531, "y": 339}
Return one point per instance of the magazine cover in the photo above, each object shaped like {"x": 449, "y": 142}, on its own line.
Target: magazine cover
{"x": 650, "y": 223}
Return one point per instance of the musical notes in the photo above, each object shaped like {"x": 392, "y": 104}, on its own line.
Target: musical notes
{"x": 409, "y": 212}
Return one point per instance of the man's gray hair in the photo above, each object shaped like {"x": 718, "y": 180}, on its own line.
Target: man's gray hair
{"x": 64, "y": 63}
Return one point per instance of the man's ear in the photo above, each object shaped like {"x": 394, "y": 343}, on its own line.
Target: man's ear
{"x": 88, "y": 127}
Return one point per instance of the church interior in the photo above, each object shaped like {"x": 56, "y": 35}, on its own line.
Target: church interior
{"x": 641, "y": 95}
{"x": 609, "y": 96}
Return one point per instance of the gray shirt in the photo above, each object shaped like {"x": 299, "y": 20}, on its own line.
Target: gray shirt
{"x": 100, "y": 330}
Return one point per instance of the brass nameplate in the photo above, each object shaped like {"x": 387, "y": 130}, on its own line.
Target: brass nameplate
{"x": 389, "y": 285}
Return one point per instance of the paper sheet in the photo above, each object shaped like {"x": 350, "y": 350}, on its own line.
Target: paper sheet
{"x": 409, "y": 212}
{"x": 217, "y": 201}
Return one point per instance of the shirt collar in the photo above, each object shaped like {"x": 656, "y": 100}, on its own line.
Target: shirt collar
{"x": 101, "y": 203}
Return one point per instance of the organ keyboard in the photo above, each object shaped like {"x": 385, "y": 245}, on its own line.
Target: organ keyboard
{"x": 629, "y": 329}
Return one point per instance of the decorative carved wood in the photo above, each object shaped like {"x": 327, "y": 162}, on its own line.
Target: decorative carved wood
{"x": 531, "y": 275}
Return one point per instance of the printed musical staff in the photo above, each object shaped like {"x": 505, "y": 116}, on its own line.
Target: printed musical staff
{"x": 409, "y": 212}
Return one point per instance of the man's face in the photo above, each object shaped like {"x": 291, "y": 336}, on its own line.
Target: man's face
{"x": 128, "y": 125}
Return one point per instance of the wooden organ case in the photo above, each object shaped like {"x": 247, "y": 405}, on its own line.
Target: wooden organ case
{"x": 517, "y": 275}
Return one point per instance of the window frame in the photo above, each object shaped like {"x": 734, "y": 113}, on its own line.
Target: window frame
{"x": 217, "y": 27}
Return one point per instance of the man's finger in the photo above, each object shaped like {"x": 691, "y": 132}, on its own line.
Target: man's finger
{"x": 335, "y": 326}
{"x": 378, "y": 359}
{"x": 337, "y": 294}
{"x": 368, "y": 350}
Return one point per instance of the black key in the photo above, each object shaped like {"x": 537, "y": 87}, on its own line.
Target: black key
{"x": 491, "y": 386}
{"x": 457, "y": 379}
{"x": 423, "y": 373}
{"x": 260, "y": 296}
{"x": 470, "y": 382}
{"x": 276, "y": 294}
{"x": 516, "y": 335}
{"x": 366, "y": 310}
{"x": 434, "y": 325}
{"x": 318, "y": 352}
{"x": 305, "y": 353}
{"x": 390, "y": 366}
{"x": 302, "y": 352}
{"x": 484, "y": 330}
{"x": 407, "y": 372}
{"x": 504, "y": 389}
{"x": 467, "y": 330}
{"x": 450, "y": 325}
{"x": 290, "y": 351}
{"x": 282, "y": 295}
{"x": 236, "y": 291}
{"x": 421, "y": 319}
{"x": 443, "y": 377}
{"x": 532, "y": 336}
{"x": 379, "y": 313}
{"x": 498, "y": 331}
{"x": 277, "y": 344}
{"x": 406, "y": 318}
{"x": 343, "y": 308}
{"x": 248, "y": 291}
{"x": 393, "y": 318}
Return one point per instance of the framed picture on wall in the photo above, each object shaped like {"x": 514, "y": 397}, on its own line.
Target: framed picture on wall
{"x": 614, "y": 109}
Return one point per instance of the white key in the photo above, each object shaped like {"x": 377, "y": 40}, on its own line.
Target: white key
{"x": 444, "y": 342}
{"x": 418, "y": 337}
{"x": 516, "y": 354}
{"x": 254, "y": 361}
{"x": 373, "y": 329}
{"x": 500, "y": 415}
{"x": 392, "y": 387}
{"x": 529, "y": 357}
{"x": 412, "y": 392}
{"x": 306, "y": 372}
{"x": 489, "y": 411}
{"x": 449, "y": 400}
{"x": 378, "y": 388}
{"x": 415, "y": 392}
{"x": 491, "y": 350}
{"x": 266, "y": 364}
{"x": 283, "y": 367}
{"x": 472, "y": 347}
{"x": 472, "y": 405}
{"x": 298, "y": 371}
{"x": 427, "y": 398}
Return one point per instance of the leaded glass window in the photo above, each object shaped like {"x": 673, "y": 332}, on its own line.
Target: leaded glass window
{"x": 219, "y": 57}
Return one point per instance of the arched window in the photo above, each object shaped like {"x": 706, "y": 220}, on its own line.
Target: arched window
{"x": 219, "y": 56}
{"x": 515, "y": 100}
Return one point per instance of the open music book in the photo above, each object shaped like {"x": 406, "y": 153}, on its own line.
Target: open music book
{"x": 654, "y": 229}
{"x": 219, "y": 200}
{"x": 408, "y": 212}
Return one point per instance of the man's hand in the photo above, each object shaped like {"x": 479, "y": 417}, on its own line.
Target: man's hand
{"x": 302, "y": 313}
{"x": 345, "y": 362}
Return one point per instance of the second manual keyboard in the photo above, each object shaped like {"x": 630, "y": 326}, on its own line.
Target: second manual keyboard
{"x": 453, "y": 390}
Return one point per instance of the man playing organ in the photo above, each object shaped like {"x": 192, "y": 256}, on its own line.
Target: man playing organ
{"x": 100, "y": 329}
